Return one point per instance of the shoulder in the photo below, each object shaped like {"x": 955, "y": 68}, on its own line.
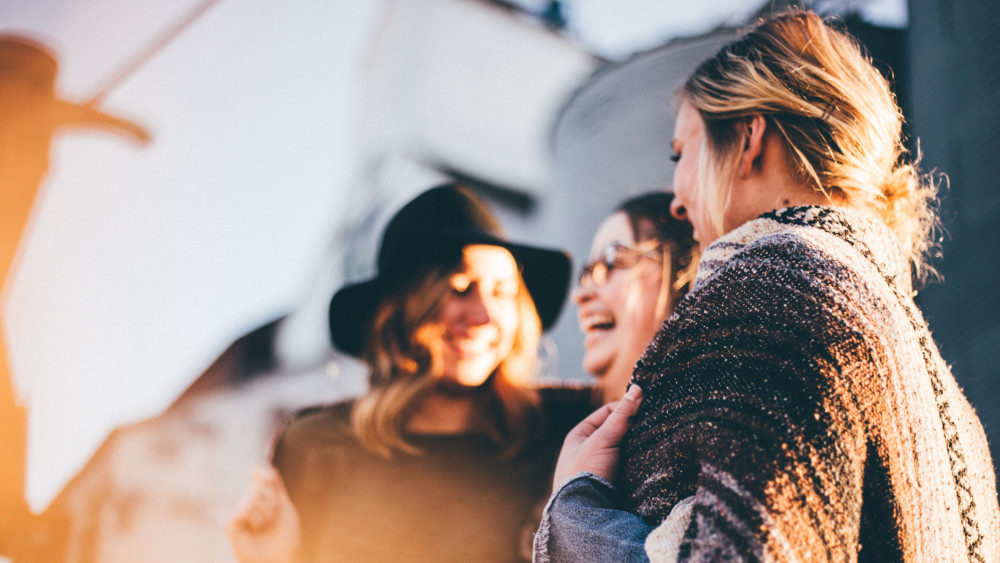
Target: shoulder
{"x": 802, "y": 235}
{"x": 832, "y": 246}
{"x": 316, "y": 425}
{"x": 788, "y": 252}
{"x": 778, "y": 266}
{"x": 781, "y": 285}
{"x": 774, "y": 290}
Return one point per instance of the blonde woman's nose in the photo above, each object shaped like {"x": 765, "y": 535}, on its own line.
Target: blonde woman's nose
{"x": 678, "y": 210}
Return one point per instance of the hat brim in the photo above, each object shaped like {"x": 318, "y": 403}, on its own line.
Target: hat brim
{"x": 64, "y": 113}
{"x": 546, "y": 274}
{"x": 350, "y": 314}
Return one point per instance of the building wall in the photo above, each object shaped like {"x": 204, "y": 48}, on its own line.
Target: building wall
{"x": 954, "y": 54}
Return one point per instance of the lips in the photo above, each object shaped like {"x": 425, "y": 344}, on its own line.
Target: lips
{"x": 470, "y": 347}
{"x": 596, "y": 321}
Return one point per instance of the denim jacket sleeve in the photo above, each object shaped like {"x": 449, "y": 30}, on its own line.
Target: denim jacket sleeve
{"x": 582, "y": 522}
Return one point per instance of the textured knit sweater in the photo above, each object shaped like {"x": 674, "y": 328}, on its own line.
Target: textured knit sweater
{"x": 796, "y": 408}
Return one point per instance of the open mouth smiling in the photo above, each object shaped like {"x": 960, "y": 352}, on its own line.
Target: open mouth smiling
{"x": 466, "y": 347}
{"x": 595, "y": 322}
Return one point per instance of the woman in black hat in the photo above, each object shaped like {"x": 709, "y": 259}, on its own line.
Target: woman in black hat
{"x": 447, "y": 455}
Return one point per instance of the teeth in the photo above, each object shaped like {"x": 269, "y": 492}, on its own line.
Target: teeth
{"x": 597, "y": 321}
{"x": 471, "y": 346}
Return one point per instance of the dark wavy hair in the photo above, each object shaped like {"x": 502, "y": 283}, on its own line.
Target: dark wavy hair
{"x": 650, "y": 218}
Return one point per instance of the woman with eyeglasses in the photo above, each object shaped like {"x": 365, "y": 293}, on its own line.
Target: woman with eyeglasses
{"x": 642, "y": 261}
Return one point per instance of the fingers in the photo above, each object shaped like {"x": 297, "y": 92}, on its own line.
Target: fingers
{"x": 594, "y": 420}
{"x": 592, "y": 446}
{"x": 260, "y": 505}
{"x": 618, "y": 421}
{"x": 629, "y": 405}
{"x": 266, "y": 527}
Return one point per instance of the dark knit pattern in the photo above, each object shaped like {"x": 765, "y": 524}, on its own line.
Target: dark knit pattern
{"x": 797, "y": 396}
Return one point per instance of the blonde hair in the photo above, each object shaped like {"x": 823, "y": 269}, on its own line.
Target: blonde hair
{"x": 403, "y": 351}
{"x": 834, "y": 112}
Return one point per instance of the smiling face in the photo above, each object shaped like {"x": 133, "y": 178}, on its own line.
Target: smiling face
{"x": 619, "y": 318}
{"x": 479, "y": 316}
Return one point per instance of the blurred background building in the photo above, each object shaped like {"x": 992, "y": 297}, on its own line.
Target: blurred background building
{"x": 953, "y": 54}
{"x": 552, "y": 119}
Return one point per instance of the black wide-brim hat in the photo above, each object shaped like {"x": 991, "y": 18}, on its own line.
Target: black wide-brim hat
{"x": 431, "y": 230}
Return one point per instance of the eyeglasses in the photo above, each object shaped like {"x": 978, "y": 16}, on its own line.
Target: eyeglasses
{"x": 617, "y": 255}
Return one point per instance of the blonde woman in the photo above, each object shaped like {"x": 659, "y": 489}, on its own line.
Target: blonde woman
{"x": 447, "y": 454}
{"x": 795, "y": 406}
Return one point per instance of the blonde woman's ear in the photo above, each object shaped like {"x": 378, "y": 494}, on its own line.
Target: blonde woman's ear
{"x": 753, "y": 144}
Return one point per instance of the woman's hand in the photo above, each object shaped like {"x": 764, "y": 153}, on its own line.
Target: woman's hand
{"x": 265, "y": 528}
{"x": 592, "y": 445}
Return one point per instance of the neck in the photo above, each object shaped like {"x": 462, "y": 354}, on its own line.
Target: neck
{"x": 612, "y": 384}
{"x": 802, "y": 196}
{"x": 444, "y": 412}
{"x": 766, "y": 181}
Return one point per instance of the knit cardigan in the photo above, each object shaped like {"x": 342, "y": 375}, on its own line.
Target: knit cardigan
{"x": 796, "y": 408}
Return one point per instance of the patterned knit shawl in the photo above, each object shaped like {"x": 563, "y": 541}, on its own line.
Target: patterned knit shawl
{"x": 797, "y": 404}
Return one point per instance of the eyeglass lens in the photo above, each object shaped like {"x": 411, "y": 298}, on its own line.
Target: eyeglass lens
{"x": 613, "y": 256}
